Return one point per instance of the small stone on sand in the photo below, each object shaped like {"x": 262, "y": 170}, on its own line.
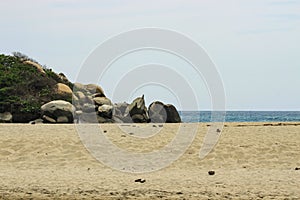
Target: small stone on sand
{"x": 211, "y": 172}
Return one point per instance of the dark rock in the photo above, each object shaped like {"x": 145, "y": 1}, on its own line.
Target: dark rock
{"x": 138, "y": 111}
{"x": 25, "y": 117}
{"x": 172, "y": 114}
{"x": 138, "y": 118}
{"x": 140, "y": 180}
{"x": 48, "y": 119}
{"x": 163, "y": 113}
{"x": 211, "y": 173}
{"x": 105, "y": 111}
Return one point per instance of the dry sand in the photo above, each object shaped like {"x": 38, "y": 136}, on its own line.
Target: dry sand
{"x": 251, "y": 161}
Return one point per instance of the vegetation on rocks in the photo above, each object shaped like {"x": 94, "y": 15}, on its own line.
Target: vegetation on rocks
{"x": 32, "y": 93}
{"x": 24, "y": 89}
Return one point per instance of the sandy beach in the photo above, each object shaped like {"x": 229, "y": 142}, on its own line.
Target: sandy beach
{"x": 250, "y": 161}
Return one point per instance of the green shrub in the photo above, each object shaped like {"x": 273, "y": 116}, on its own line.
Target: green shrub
{"x": 23, "y": 89}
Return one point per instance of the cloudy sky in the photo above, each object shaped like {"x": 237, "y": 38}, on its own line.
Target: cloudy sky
{"x": 255, "y": 44}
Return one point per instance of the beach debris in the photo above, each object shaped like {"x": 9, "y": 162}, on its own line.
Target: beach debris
{"x": 218, "y": 131}
{"x": 211, "y": 172}
{"x": 140, "y": 180}
{"x": 297, "y": 168}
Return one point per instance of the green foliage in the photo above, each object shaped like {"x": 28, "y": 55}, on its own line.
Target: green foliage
{"x": 23, "y": 89}
{"x": 22, "y": 57}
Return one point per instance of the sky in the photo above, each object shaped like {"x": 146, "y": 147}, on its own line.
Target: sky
{"x": 254, "y": 44}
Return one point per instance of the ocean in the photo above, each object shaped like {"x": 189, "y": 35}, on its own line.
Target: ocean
{"x": 242, "y": 116}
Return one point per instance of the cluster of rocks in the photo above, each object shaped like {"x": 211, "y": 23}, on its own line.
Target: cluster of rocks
{"x": 90, "y": 105}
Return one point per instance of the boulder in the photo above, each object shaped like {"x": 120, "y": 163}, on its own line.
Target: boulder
{"x": 105, "y": 111}
{"x": 36, "y": 65}
{"x": 119, "y": 112}
{"x": 63, "y": 89}
{"x": 139, "y": 118}
{"x": 82, "y": 98}
{"x": 63, "y": 77}
{"x": 88, "y": 108}
{"x": 163, "y": 113}
{"x": 75, "y": 99}
{"x": 119, "y": 109}
{"x": 6, "y": 117}
{"x": 93, "y": 89}
{"x": 157, "y": 112}
{"x": 58, "y": 108}
{"x": 80, "y": 95}
{"x": 172, "y": 114}
{"x": 102, "y": 101}
{"x": 137, "y": 107}
{"x": 78, "y": 87}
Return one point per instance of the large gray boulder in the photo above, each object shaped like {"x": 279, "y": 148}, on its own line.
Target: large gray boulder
{"x": 6, "y": 117}
{"x": 157, "y": 112}
{"x": 59, "y": 110}
{"x": 163, "y": 113}
{"x": 137, "y": 110}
